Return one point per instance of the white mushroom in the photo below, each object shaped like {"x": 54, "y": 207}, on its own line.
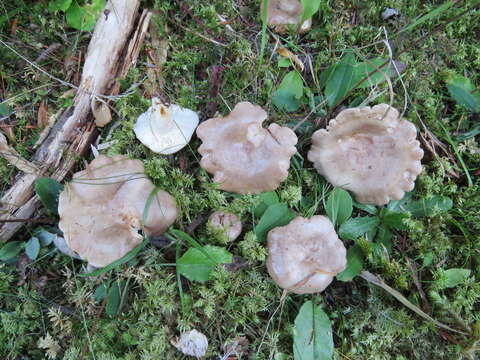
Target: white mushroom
{"x": 166, "y": 130}
{"x": 370, "y": 151}
{"x": 305, "y": 255}
{"x": 284, "y": 13}
{"x": 192, "y": 343}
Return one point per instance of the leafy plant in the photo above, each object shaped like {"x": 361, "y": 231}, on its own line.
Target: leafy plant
{"x": 275, "y": 215}
{"x": 10, "y": 250}
{"x": 463, "y": 92}
{"x": 48, "y": 191}
{"x": 79, "y": 17}
{"x": 197, "y": 265}
{"x": 32, "y": 248}
{"x": 339, "y": 206}
{"x": 312, "y": 334}
{"x": 310, "y": 8}
{"x": 288, "y": 96}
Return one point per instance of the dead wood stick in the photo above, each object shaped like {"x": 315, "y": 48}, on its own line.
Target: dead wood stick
{"x": 113, "y": 49}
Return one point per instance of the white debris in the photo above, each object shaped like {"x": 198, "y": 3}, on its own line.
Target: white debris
{"x": 192, "y": 343}
{"x": 166, "y": 130}
{"x": 389, "y": 13}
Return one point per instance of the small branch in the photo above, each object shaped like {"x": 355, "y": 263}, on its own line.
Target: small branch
{"x": 379, "y": 282}
{"x": 38, "y": 220}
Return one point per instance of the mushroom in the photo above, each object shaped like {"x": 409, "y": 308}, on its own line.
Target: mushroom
{"x": 192, "y": 343}
{"x": 227, "y": 223}
{"x": 370, "y": 151}
{"x": 282, "y": 13}
{"x": 105, "y": 206}
{"x": 165, "y": 130}
{"x": 305, "y": 255}
{"x": 243, "y": 156}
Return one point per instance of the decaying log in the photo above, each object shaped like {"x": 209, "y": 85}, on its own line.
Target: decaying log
{"x": 114, "y": 47}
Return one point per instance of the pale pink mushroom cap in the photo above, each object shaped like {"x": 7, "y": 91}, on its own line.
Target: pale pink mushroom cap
{"x": 243, "y": 156}
{"x": 305, "y": 255}
{"x": 282, "y": 13}
{"x": 370, "y": 151}
{"x": 101, "y": 209}
{"x": 229, "y": 223}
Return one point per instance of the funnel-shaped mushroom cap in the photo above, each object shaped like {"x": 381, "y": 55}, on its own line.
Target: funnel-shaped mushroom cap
{"x": 305, "y": 255}
{"x": 101, "y": 210}
{"x": 166, "y": 130}
{"x": 229, "y": 223}
{"x": 370, "y": 151}
{"x": 282, "y": 13}
{"x": 244, "y": 157}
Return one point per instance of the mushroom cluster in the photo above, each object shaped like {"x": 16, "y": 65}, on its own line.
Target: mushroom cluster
{"x": 103, "y": 209}
{"x": 371, "y": 151}
{"x": 305, "y": 255}
{"x": 284, "y": 13}
{"x": 243, "y": 156}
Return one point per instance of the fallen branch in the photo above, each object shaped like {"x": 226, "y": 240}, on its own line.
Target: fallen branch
{"x": 113, "y": 49}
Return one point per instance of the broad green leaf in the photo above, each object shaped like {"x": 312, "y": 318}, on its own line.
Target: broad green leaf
{"x": 397, "y": 205}
{"x": 384, "y": 237}
{"x": 356, "y": 227}
{"x": 354, "y": 264}
{"x": 59, "y": 5}
{"x": 123, "y": 260}
{"x": 45, "y": 237}
{"x": 289, "y": 93}
{"x": 114, "y": 298}
{"x": 84, "y": 17}
{"x": 275, "y": 215}
{"x": 430, "y": 206}
{"x": 371, "y": 209}
{"x": 452, "y": 277}
{"x": 395, "y": 219}
{"x": 10, "y": 250}
{"x": 310, "y": 8}
{"x": 48, "y": 191}
{"x": 100, "y": 292}
{"x": 339, "y": 206}
{"x": 196, "y": 266}
{"x": 339, "y": 80}
{"x": 312, "y": 334}
{"x": 32, "y": 248}
{"x": 463, "y": 92}
{"x": 369, "y": 70}
{"x": 266, "y": 199}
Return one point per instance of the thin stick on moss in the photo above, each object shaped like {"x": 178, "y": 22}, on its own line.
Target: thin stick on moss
{"x": 379, "y": 282}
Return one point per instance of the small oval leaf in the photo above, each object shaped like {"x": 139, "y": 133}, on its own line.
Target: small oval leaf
{"x": 32, "y": 248}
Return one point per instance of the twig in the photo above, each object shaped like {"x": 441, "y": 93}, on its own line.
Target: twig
{"x": 379, "y": 282}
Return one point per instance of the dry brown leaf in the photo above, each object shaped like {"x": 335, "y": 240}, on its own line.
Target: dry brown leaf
{"x": 293, "y": 58}
{"x": 101, "y": 112}
{"x": 42, "y": 115}
{"x": 13, "y": 27}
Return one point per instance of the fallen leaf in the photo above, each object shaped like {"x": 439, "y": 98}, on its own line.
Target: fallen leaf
{"x": 238, "y": 263}
{"x": 192, "y": 343}
{"x": 42, "y": 115}
{"x": 237, "y": 348}
{"x": 13, "y": 27}
{"x": 293, "y": 58}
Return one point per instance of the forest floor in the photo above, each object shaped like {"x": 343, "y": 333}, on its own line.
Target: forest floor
{"x": 208, "y": 56}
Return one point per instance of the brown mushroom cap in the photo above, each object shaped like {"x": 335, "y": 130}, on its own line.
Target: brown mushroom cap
{"x": 282, "y": 13}
{"x": 370, "y": 151}
{"x": 101, "y": 209}
{"x": 244, "y": 157}
{"x": 227, "y": 222}
{"x": 305, "y": 255}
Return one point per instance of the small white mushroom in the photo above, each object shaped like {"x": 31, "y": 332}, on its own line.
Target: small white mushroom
{"x": 166, "y": 130}
{"x": 284, "y": 13}
{"x": 192, "y": 343}
{"x": 226, "y": 222}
